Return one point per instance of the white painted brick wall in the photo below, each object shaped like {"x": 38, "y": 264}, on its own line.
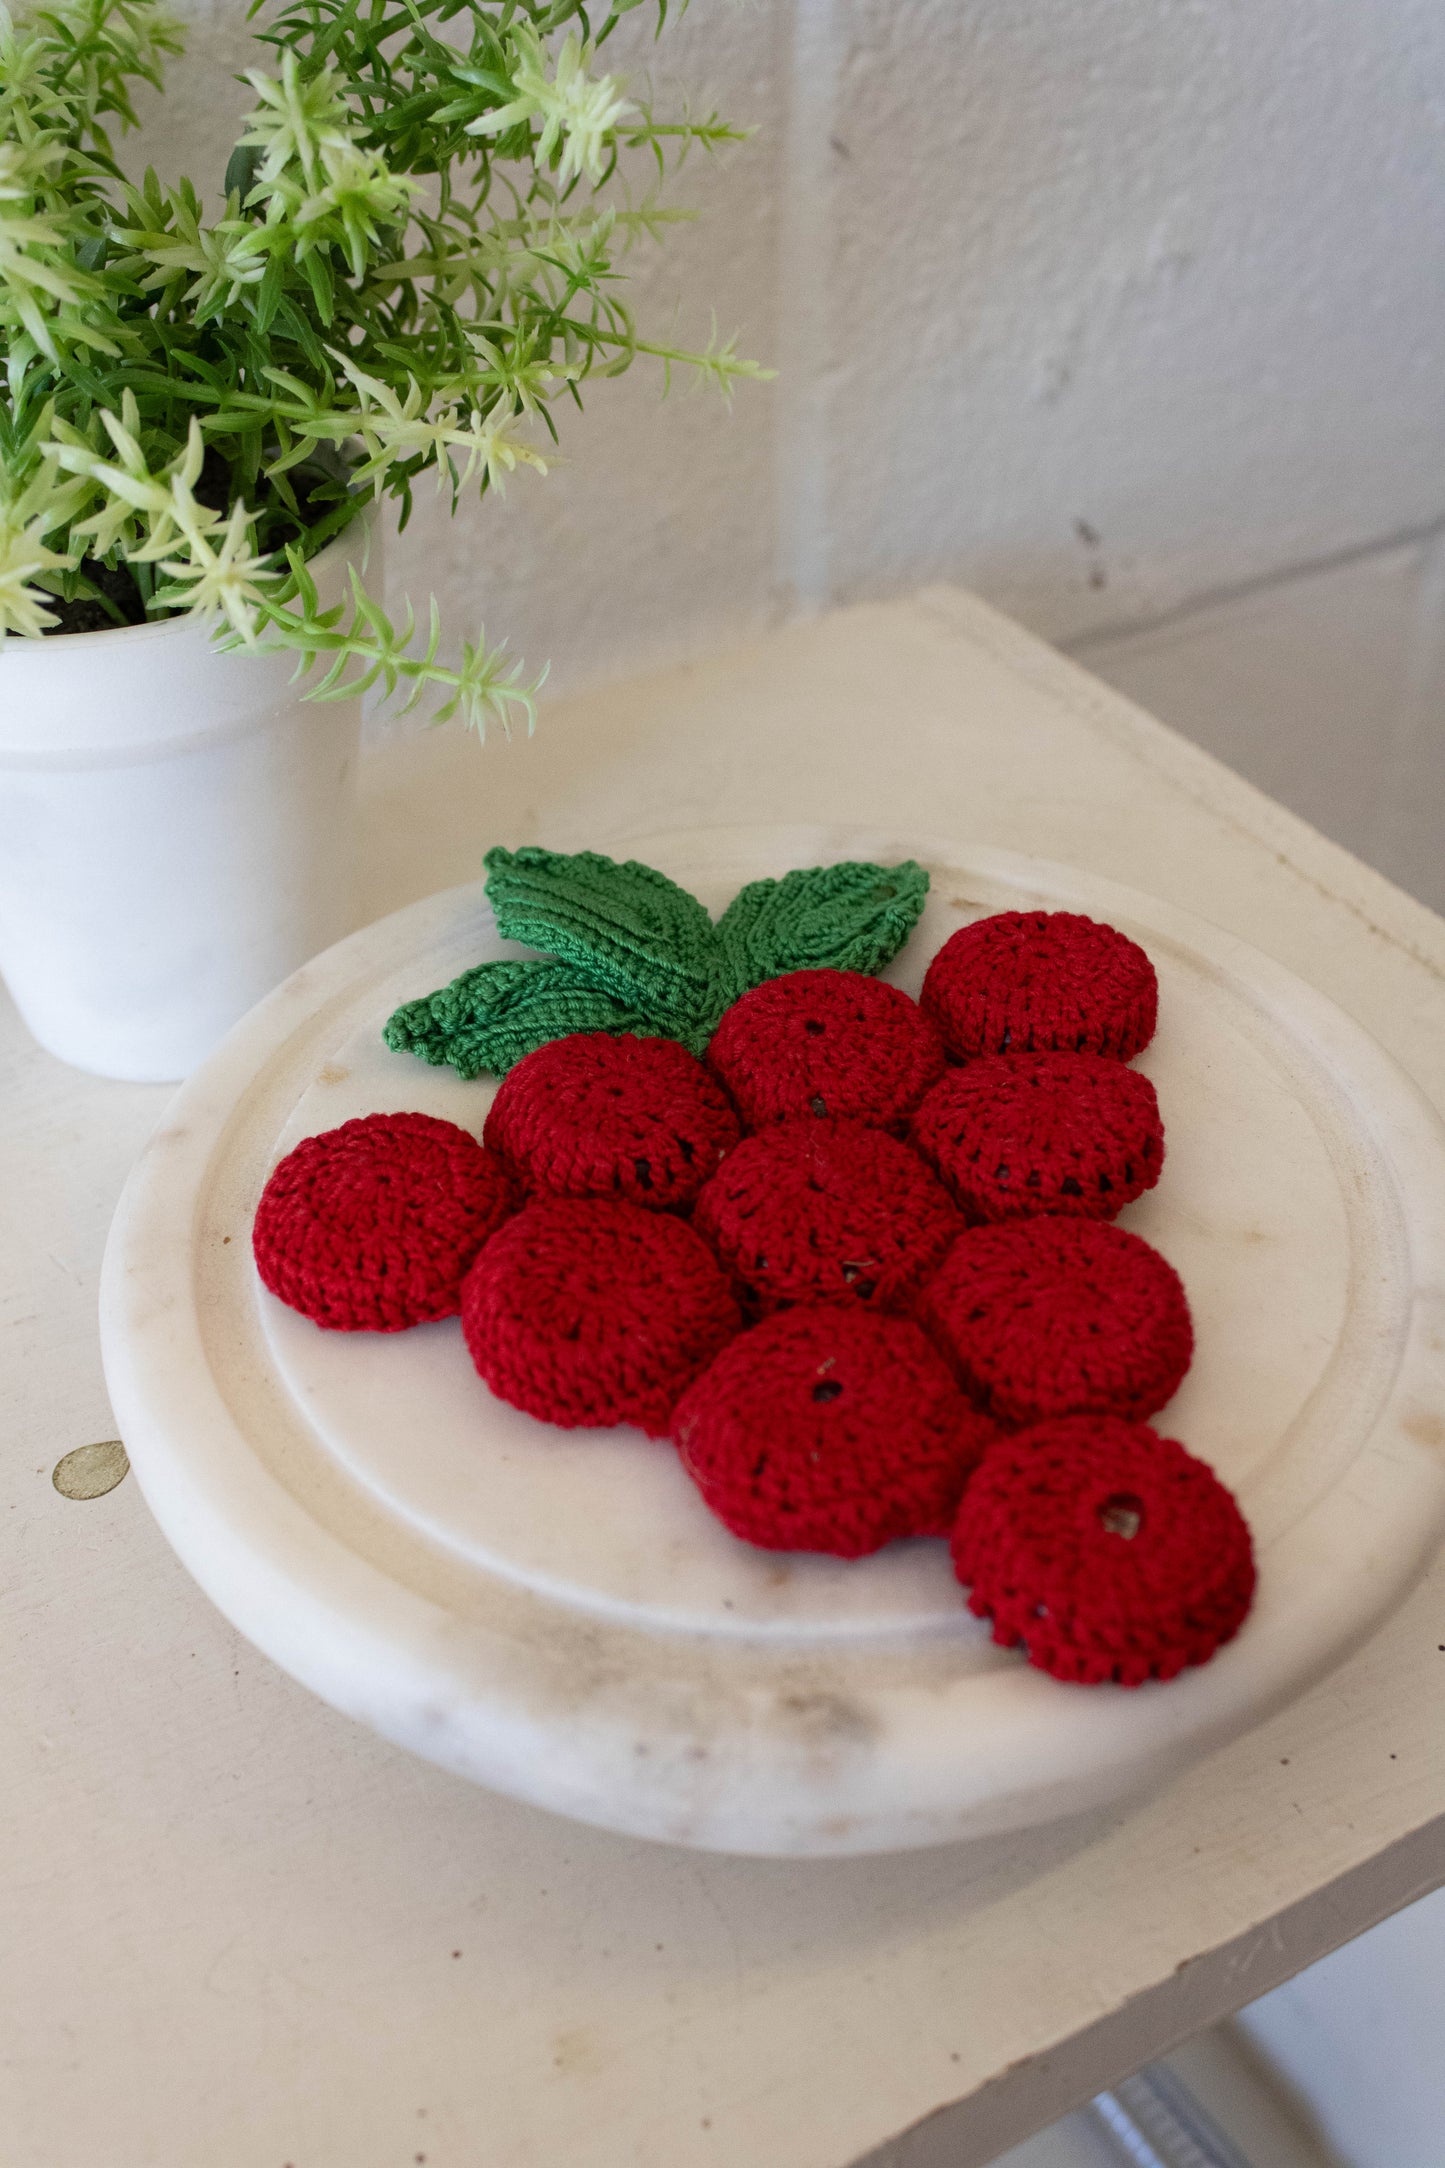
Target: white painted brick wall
{"x": 1094, "y": 304}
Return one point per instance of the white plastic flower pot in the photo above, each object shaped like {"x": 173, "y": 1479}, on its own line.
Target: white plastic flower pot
{"x": 176, "y": 834}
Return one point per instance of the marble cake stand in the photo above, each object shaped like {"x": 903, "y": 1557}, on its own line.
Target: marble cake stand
{"x": 555, "y": 1615}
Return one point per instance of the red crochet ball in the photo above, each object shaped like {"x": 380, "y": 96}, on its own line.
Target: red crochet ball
{"x": 826, "y": 1043}
{"x": 829, "y": 1429}
{"x": 372, "y": 1227}
{"x": 1053, "y": 1317}
{"x": 825, "y": 1211}
{"x": 585, "y": 1312}
{"x": 596, "y": 1116}
{"x": 1029, "y": 980}
{"x": 1108, "y": 1551}
{"x": 1014, "y": 1135}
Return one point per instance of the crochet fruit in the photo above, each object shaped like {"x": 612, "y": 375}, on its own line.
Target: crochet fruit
{"x": 1014, "y": 1135}
{"x": 869, "y": 1295}
{"x": 814, "y": 1211}
{"x": 595, "y": 1116}
{"x": 585, "y": 1313}
{"x": 372, "y": 1227}
{"x": 1029, "y": 982}
{"x": 1051, "y": 1317}
{"x": 830, "y": 1429}
{"x": 829, "y": 1043}
{"x": 1110, "y": 1552}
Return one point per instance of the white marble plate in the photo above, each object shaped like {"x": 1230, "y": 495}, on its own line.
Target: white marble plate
{"x": 557, "y": 1615}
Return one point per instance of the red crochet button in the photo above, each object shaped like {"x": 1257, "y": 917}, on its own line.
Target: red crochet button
{"x": 826, "y": 1043}
{"x": 1014, "y": 1135}
{"x": 829, "y": 1429}
{"x": 825, "y": 1211}
{"x": 1053, "y": 1317}
{"x": 371, "y": 1227}
{"x": 1108, "y": 1551}
{"x": 1026, "y": 981}
{"x": 584, "y": 1312}
{"x": 596, "y": 1116}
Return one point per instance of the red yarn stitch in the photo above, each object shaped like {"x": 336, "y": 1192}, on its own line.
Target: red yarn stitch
{"x": 824, "y": 1211}
{"x": 371, "y": 1227}
{"x": 596, "y": 1116}
{"x": 1014, "y": 1135}
{"x": 1108, "y": 1551}
{"x": 585, "y": 1312}
{"x": 1053, "y": 1317}
{"x": 826, "y": 1043}
{"x": 1026, "y": 981}
{"x": 829, "y": 1429}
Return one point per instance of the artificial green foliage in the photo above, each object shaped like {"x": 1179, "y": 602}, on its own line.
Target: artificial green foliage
{"x": 418, "y": 253}
{"x": 491, "y": 1016}
{"x": 848, "y": 917}
{"x": 626, "y": 949}
{"x": 627, "y": 928}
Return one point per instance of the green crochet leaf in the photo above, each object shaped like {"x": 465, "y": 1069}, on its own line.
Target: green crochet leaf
{"x": 491, "y": 1016}
{"x": 628, "y": 929}
{"x": 626, "y": 949}
{"x": 848, "y": 917}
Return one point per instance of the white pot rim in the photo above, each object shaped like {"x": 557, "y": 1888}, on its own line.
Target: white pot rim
{"x": 341, "y": 545}
{"x": 131, "y": 689}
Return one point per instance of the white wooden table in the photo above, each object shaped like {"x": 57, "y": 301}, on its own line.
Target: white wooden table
{"x": 238, "y": 1931}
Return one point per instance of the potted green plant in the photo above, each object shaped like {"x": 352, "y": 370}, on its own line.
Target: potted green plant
{"x": 415, "y": 260}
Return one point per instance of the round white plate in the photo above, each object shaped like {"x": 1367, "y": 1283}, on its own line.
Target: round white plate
{"x": 556, "y": 1614}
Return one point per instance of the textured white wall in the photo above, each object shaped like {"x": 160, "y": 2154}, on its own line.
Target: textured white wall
{"x": 1162, "y": 273}
{"x": 1098, "y": 305}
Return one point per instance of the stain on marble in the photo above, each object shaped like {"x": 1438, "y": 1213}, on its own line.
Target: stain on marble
{"x": 1426, "y": 1426}
{"x": 577, "y": 2053}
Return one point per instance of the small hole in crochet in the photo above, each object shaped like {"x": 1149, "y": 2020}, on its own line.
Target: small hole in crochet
{"x": 1070, "y": 1187}
{"x": 818, "y": 1104}
{"x": 827, "y": 1389}
{"x": 1122, "y": 1515}
{"x": 642, "y": 1168}
{"x": 814, "y": 1028}
{"x": 1007, "y": 1040}
{"x": 884, "y": 895}
{"x": 1000, "y": 1174}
